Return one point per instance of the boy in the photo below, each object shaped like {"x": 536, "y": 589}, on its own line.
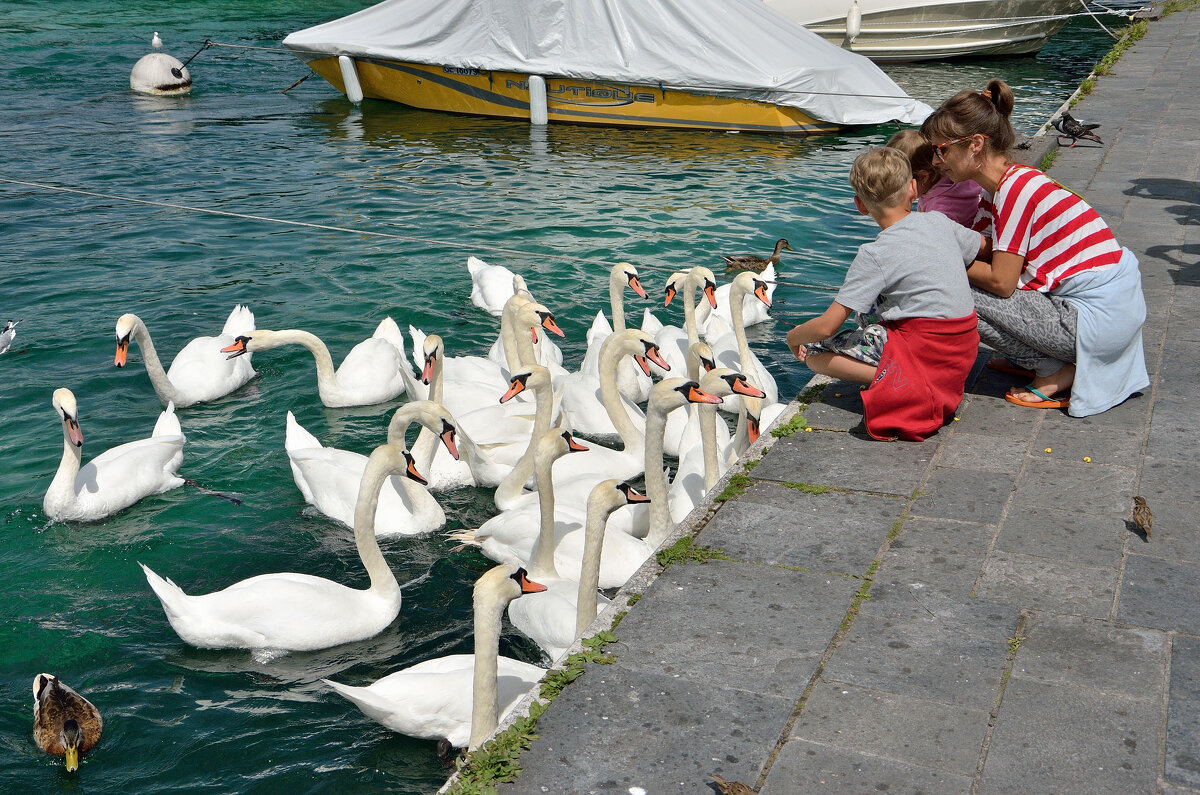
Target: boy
{"x": 913, "y": 275}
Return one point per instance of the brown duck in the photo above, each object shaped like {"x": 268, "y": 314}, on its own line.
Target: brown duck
{"x": 749, "y": 263}
{"x": 64, "y": 722}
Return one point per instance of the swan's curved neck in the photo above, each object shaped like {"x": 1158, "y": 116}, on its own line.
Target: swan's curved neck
{"x": 589, "y": 567}
{"x": 708, "y": 442}
{"x": 485, "y": 700}
{"x": 384, "y": 461}
{"x": 656, "y": 479}
{"x": 508, "y": 337}
{"x": 327, "y": 383}
{"x": 424, "y": 449}
{"x": 610, "y": 396}
{"x": 513, "y": 485}
{"x": 737, "y": 295}
{"x": 689, "y": 311}
{"x": 616, "y": 299}
{"x": 158, "y": 376}
{"x": 63, "y": 485}
{"x": 541, "y": 558}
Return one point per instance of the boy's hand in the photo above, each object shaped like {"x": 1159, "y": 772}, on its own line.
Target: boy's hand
{"x": 797, "y": 348}
{"x": 801, "y": 352}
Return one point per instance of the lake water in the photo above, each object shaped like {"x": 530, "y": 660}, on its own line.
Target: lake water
{"x": 551, "y": 204}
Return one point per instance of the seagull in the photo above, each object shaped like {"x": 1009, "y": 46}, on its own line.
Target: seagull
{"x": 156, "y": 42}
{"x": 6, "y": 336}
{"x": 1070, "y": 127}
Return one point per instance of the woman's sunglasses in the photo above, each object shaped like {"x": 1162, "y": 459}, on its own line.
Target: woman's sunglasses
{"x": 939, "y": 150}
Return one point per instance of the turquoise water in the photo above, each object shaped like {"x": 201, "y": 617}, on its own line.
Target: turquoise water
{"x": 74, "y": 601}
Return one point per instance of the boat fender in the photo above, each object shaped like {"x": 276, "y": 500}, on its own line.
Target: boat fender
{"x": 350, "y": 79}
{"x": 161, "y": 75}
{"x": 853, "y": 23}
{"x": 539, "y": 113}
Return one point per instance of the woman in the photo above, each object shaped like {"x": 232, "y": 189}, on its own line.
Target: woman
{"x": 1060, "y": 297}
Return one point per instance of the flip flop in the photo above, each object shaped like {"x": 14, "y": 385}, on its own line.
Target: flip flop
{"x": 1005, "y": 366}
{"x": 1045, "y": 402}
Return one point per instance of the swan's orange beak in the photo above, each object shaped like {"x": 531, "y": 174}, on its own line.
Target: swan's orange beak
{"x": 697, "y": 395}
{"x": 741, "y": 386}
{"x": 427, "y": 372}
{"x": 73, "y": 432}
{"x": 636, "y": 285}
{"x": 572, "y": 445}
{"x": 527, "y": 585}
{"x": 122, "y": 350}
{"x": 760, "y": 292}
{"x": 412, "y": 472}
{"x": 653, "y": 355}
{"x": 710, "y": 292}
{"x": 752, "y": 429}
{"x": 642, "y": 363}
{"x": 236, "y": 348}
{"x": 632, "y": 496}
{"x": 549, "y": 324}
{"x": 670, "y": 293}
{"x": 517, "y": 386}
{"x": 447, "y": 437}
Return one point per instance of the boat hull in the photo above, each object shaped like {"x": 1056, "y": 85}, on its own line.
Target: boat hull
{"x": 506, "y": 95}
{"x": 905, "y": 31}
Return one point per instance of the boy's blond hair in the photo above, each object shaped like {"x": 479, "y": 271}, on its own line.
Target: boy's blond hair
{"x": 881, "y": 177}
{"x": 920, "y": 155}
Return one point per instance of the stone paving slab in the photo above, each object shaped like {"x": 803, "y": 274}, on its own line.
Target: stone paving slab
{"x": 831, "y": 532}
{"x": 756, "y": 628}
{"x": 983, "y": 453}
{"x": 1108, "y": 744}
{"x": 932, "y": 559}
{"x": 964, "y": 494}
{"x": 846, "y": 460}
{"x": 901, "y": 728}
{"x": 1082, "y": 538}
{"x": 1046, "y": 584}
{"x": 615, "y": 729}
{"x": 1076, "y": 486}
{"x": 1175, "y": 532}
{"x": 804, "y": 767}
{"x": 1159, "y": 593}
{"x": 1183, "y": 714}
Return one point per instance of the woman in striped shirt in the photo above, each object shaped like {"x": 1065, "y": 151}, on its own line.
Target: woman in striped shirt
{"x": 1059, "y": 297}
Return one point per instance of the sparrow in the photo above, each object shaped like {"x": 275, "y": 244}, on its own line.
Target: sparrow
{"x": 1071, "y": 128}
{"x": 1142, "y": 517}
{"x": 730, "y": 787}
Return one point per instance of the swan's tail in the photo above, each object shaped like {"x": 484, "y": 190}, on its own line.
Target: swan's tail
{"x": 465, "y": 538}
{"x": 373, "y": 705}
{"x": 168, "y": 423}
{"x": 388, "y": 330}
{"x": 475, "y": 265}
{"x": 171, "y": 595}
{"x": 240, "y": 322}
{"x": 418, "y": 340}
{"x": 297, "y": 438}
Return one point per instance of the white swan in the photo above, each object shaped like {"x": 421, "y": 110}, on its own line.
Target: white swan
{"x": 369, "y": 374}
{"x": 551, "y": 617}
{"x": 328, "y": 477}
{"x": 514, "y": 348}
{"x": 491, "y": 285}
{"x": 118, "y": 477}
{"x": 199, "y": 372}
{"x": 633, "y": 383}
{"x": 297, "y": 612}
{"x": 729, "y": 344}
{"x": 753, "y": 310}
{"x": 756, "y": 416}
{"x": 673, "y": 340}
{"x": 461, "y": 697}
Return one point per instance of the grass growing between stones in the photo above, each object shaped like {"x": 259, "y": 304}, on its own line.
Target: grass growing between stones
{"x": 862, "y": 595}
{"x": 735, "y": 488}
{"x": 808, "y": 488}
{"x": 1179, "y": 5}
{"x": 1048, "y": 160}
{"x": 684, "y": 551}
{"x": 790, "y": 428}
{"x": 1129, "y": 35}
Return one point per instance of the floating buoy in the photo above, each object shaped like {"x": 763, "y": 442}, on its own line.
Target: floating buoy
{"x": 161, "y": 75}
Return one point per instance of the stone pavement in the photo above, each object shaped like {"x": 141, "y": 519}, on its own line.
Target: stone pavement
{"x": 970, "y": 614}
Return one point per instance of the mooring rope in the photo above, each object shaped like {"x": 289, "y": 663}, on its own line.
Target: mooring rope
{"x": 473, "y": 247}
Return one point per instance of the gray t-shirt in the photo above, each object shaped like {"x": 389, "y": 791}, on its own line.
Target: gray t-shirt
{"x": 914, "y": 268}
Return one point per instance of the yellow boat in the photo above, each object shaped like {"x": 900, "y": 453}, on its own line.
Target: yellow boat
{"x": 506, "y": 95}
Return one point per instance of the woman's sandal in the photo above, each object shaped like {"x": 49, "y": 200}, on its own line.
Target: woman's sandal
{"x": 1046, "y": 401}
{"x": 1005, "y": 366}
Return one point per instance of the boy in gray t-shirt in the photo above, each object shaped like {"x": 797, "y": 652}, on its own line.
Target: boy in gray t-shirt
{"x": 915, "y": 268}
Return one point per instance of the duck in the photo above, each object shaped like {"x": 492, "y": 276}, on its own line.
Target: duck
{"x": 459, "y": 698}
{"x": 729, "y": 344}
{"x": 747, "y": 262}
{"x": 199, "y": 373}
{"x": 118, "y": 477}
{"x": 754, "y": 311}
{"x": 329, "y": 477}
{"x": 8, "y": 335}
{"x": 369, "y": 374}
{"x": 288, "y": 611}
{"x": 550, "y": 617}
{"x": 64, "y": 723}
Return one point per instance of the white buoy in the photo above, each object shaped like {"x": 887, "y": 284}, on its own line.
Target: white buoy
{"x": 853, "y": 23}
{"x": 161, "y": 75}
{"x": 350, "y": 79}
{"x": 538, "y": 112}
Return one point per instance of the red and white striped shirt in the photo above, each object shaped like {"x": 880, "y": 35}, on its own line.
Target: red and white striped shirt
{"x": 1056, "y": 231}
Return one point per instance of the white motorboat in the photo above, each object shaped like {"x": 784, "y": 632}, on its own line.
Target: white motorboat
{"x": 905, "y": 30}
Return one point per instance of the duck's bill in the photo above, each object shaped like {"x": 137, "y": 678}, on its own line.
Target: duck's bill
{"x": 72, "y": 759}
{"x": 635, "y": 284}
{"x": 698, "y": 395}
{"x": 741, "y": 386}
{"x": 122, "y": 351}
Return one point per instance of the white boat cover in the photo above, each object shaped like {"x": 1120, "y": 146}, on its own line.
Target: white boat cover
{"x": 738, "y": 48}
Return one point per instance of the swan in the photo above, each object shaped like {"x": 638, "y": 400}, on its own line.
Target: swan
{"x": 118, "y": 477}
{"x": 700, "y": 469}
{"x": 298, "y": 612}
{"x": 369, "y": 374}
{"x": 753, "y": 310}
{"x": 632, "y": 382}
{"x": 199, "y": 373}
{"x": 328, "y": 477}
{"x": 491, "y": 285}
{"x": 64, "y": 722}
{"x": 673, "y": 340}
{"x": 511, "y": 350}
{"x": 729, "y": 344}
{"x": 755, "y": 416}
{"x": 551, "y": 617}
{"x": 460, "y": 697}
{"x": 510, "y": 493}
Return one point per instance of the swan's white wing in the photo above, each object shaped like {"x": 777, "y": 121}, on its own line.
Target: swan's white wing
{"x": 372, "y": 369}
{"x": 491, "y": 285}
{"x": 549, "y": 617}
{"x": 122, "y": 475}
{"x": 201, "y": 372}
{"x": 240, "y": 322}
